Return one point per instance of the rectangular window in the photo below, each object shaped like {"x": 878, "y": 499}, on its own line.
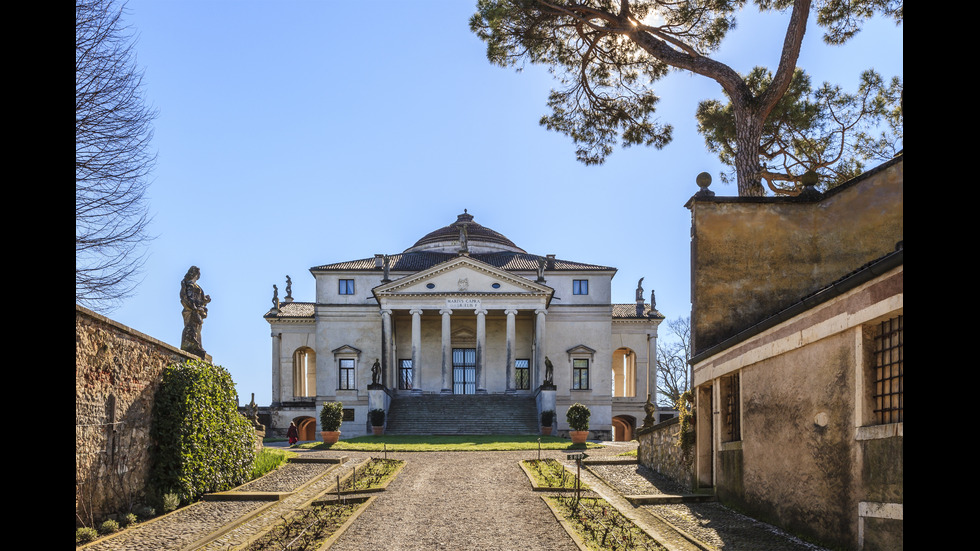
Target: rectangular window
{"x": 580, "y": 374}
{"x": 580, "y": 286}
{"x": 347, "y": 374}
{"x": 405, "y": 374}
{"x": 732, "y": 408}
{"x": 522, "y": 374}
{"x": 346, "y": 287}
{"x": 888, "y": 385}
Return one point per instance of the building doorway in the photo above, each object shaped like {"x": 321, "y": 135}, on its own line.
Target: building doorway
{"x": 623, "y": 428}
{"x": 464, "y": 371}
{"x": 306, "y": 428}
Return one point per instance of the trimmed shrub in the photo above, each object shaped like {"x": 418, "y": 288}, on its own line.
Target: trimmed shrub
{"x": 129, "y": 519}
{"x": 108, "y": 527}
{"x": 578, "y": 416}
{"x": 85, "y": 535}
{"x": 201, "y": 443}
{"x": 547, "y": 417}
{"x": 331, "y": 416}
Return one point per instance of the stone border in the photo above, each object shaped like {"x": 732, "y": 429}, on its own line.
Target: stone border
{"x": 538, "y": 488}
{"x": 350, "y": 520}
{"x": 381, "y": 488}
{"x": 572, "y": 533}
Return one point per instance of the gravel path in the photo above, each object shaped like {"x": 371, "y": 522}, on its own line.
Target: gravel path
{"x": 450, "y": 500}
{"x": 459, "y": 501}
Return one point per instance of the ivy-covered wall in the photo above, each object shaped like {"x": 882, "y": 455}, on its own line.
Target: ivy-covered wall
{"x": 117, "y": 372}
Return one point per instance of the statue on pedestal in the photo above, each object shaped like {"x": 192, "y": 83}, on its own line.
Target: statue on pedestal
{"x": 376, "y": 373}
{"x": 195, "y": 304}
{"x": 549, "y": 372}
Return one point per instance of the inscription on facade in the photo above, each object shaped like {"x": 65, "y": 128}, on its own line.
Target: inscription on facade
{"x": 464, "y": 303}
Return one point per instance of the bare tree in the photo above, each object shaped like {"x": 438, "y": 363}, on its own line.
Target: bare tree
{"x": 673, "y": 354}
{"x": 112, "y": 157}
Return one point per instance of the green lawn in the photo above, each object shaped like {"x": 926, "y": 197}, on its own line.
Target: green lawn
{"x": 450, "y": 443}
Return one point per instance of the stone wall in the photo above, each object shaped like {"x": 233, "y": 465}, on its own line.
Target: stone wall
{"x": 659, "y": 451}
{"x": 754, "y": 256}
{"x": 117, "y": 372}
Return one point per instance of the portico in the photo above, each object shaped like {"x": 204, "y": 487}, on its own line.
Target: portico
{"x": 476, "y": 345}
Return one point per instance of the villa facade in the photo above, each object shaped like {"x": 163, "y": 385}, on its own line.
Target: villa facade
{"x": 463, "y": 311}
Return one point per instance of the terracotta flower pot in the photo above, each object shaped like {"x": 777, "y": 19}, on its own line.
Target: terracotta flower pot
{"x": 578, "y": 436}
{"x": 546, "y": 431}
{"x": 330, "y": 436}
{"x": 378, "y": 431}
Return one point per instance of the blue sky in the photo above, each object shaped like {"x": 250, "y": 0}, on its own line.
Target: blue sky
{"x": 298, "y": 133}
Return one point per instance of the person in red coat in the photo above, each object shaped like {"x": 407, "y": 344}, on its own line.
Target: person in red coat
{"x": 292, "y": 433}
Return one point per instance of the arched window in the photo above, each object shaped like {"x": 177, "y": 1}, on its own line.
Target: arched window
{"x": 624, "y": 373}
{"x": 304, "y": 372}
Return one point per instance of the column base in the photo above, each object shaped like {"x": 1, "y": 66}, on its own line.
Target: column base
{"x": 481, "y": 391}
{"x": 446, "y": 391}
{"x": 416, "y": 392}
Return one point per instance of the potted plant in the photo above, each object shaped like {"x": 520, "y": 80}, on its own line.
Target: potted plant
{"x": 578, "y": 421}
{"x": 377, "y": 417}
{"x": 331, "y": 416}
{"x": 547, "y": 420}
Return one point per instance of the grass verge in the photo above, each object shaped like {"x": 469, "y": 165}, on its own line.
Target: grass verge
{"x": 400, "y": 443}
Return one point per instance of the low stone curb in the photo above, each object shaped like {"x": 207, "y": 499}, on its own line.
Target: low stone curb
{"x": 343, "y": 528}
{"x": 539, "y": 488}
{"x": 380, "y": 488}
{"x": 666, "y": 499}
{"x": 572, "y": 533}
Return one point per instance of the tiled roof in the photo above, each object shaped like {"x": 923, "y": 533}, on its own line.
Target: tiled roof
{"x": 418, "y": 261}
{"x": 292, "y": 310}
{"x": 628, "y": 311}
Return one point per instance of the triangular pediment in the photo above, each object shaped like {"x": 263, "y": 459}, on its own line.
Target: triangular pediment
{"x": 580, "y": 349}
{"x": 464, "y": 275}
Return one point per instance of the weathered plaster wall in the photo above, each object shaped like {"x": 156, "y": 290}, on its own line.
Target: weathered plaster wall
{"x": 117, "y": 372}
{"x": 806, "y": 412}
{"x": 752, "y": 257}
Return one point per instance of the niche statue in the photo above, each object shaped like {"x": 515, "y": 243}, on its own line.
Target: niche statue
{"x": 195, "y": 304}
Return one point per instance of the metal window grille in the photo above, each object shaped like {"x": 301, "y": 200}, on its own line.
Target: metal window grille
{"x": 522, "y": 374}
{"x": 405, "y": 374}
{"x": 733, "y": 415}
{"x": 464, "y": 371}
{"x": 347, "y": 374}
{"x": 580, "y": 374}
{"x": 888, "y": 385}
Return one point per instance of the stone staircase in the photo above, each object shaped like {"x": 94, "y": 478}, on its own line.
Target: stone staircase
{"x": 462, "y": 414}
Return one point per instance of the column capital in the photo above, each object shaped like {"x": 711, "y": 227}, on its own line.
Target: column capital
{"x": 415, "y": 311}
{"x": 480, "y": 312}
{"x": 386, "y": 311}
{"x": 511, "y": 311}
{"x": 541, "y": 311}
{"x": 446, "y": 311}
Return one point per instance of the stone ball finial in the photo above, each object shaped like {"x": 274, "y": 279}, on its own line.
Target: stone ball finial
{"x": 704, "y": 180}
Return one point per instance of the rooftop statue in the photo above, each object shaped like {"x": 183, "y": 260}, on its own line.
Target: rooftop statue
{"x": 195, "y": 304}
{"x": 639, "y": 290}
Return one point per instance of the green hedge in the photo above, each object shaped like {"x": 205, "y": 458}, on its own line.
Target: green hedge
{"x": 201, "y": 443}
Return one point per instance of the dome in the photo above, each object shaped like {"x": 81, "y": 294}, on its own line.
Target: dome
{"x": 479, "y": 239}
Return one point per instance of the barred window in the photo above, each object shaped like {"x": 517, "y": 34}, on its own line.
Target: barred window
{"x": 732, "y": 408}
{"x": 405, "y": 374}
{"x": 888, "y": 385}
{"x": 522, "y": 374}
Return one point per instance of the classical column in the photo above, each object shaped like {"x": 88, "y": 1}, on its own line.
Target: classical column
{"x": 511, "y": 315}
{"x": 539, "y": 345}
{"x": 386, "y": 360}
{"x": 276, "y": 367}
{"x": 652, "y": 371}
{"x": 447, "y": 350}
{"x": 481, "y": 348}
{"x": 416, "y": 349}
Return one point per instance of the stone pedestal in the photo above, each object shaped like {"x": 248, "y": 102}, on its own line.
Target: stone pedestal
{"x": 546, "y": 400}
{"x": 377, "y": 397}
